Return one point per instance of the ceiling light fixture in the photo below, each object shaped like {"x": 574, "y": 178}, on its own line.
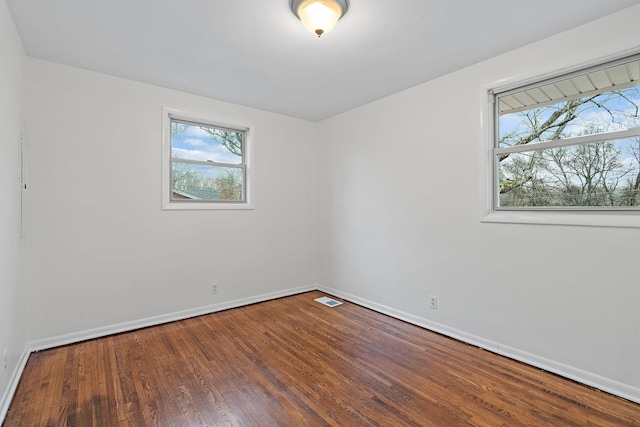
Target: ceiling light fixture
{"x": 319, "y": 16}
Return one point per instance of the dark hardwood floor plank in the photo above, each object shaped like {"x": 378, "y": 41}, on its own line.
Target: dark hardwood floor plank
{"x": 294, "y": 362}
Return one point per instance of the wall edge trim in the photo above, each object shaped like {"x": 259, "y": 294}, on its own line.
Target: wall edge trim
{"x": 10, "y": 391}
{"x": 74, "y": 337}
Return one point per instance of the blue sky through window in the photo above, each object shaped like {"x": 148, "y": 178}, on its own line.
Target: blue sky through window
{"x": 192, "y": 142}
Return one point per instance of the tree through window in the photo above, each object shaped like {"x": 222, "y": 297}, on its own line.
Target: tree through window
{"x": 207, "y": 162}
{"x": 572, "y": 142}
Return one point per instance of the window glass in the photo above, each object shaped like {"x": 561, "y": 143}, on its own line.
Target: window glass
{"x": 570, "y": 142}
{"x": 595, "y": 174}
{"x": 205, "y": 165}
{"x": 205, "y": 143}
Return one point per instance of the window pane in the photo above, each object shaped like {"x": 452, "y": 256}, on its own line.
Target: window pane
{"x": 595, "y": 102}
{"x": 202, "y": 182}
{"x": 605, "y": 174}
{"x": 206, "y": 143}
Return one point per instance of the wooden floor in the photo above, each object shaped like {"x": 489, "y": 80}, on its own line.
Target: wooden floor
{"x": 295, "y": 362}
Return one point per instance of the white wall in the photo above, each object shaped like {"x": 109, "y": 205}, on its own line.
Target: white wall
{"x": 103, "y": 252}
{"x": 397, "y": 216}
{"x": 13, "y": 333}
{"x": 400, "y": 203}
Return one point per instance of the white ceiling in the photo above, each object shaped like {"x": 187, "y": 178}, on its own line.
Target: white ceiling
{"x": 256, "y": 52}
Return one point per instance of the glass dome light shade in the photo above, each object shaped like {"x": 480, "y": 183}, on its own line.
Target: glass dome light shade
{"x": 319, "y": 16}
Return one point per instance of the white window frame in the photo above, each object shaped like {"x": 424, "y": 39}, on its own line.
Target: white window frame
{"x": 598, "y": 217}
{"x": 215, "y": 121}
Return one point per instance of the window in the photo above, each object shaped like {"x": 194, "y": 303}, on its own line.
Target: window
{"x": 205, "y": 163}
{"x": 569, "y": 143}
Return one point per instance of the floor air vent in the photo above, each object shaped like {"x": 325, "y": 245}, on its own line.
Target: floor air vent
{"x": 328, "y": 301}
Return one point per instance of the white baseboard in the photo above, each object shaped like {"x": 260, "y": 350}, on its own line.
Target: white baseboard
{"x": 5, "y": 402}
{"x": 616, "y": 388}
{"x": 74, "y": 337}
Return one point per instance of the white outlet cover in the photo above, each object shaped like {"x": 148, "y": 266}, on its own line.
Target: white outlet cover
{"x": 329, "y": 302}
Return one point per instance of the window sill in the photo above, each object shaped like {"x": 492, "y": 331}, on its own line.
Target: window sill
{"x": 204, "y": 206}
{"x": 590, "y": 219}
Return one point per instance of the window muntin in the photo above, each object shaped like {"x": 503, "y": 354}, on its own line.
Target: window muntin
{"x": 571, "y": 142}
{"x": 205, "y": 163}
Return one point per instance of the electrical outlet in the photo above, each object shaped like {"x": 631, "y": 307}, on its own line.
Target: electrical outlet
{"x": 433, "y": 302}
{"x": 5, "y": 361}
{"x": 214, "y": 288}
